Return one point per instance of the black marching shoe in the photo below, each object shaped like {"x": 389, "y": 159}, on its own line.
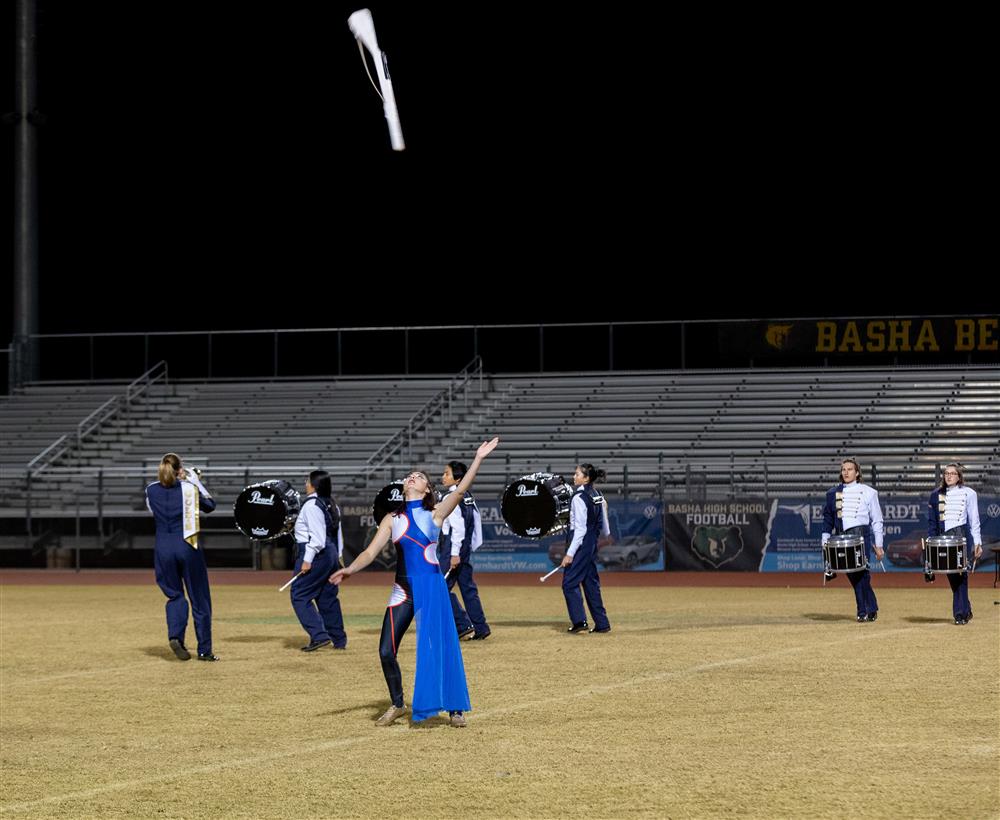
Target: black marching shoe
{"x": 606, "y": 629}
{"x": 177, "y": 645}
{"x": 580, "y": 627}
{"x": 208, "y": 657}
{"x": 960, "y": 622}
{"x": 314, "y": 645}
{"x": 863, "y": 619}
{"x": 467, "y": 634}
{"x": 829, "y": 576}
{"x": 872, "y": 616}
{"x": 928, "y": 577}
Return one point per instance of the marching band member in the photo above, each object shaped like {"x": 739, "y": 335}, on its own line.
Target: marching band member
{"x": 953, "y": 509}
{"x": 461, "y": 535}
{"x": 175, "y": 500}
{"x": 588, "y": 519}
{"x": 414, "y": 527}
{"x": 852, "y": 508}
{"x": 319, "y": 540}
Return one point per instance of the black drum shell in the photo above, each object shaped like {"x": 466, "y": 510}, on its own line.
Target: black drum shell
{"x": 266, "y": 510}
{"x": 846, "y": 553}
{"x": 536, "y": 505}
{"x": 945, "y": 553}
{"x": 387, "y": 501}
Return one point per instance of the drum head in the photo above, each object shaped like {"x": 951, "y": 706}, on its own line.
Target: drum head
{"x": 262, "y": 510}
{"x": 529, "y": 508}
{"x": 946, "y": 541}
{"x": 387, "y": 501}
{"x": 843, "y": 541}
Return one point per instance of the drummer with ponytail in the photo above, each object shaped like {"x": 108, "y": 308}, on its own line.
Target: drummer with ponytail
{"x": 588, "y": 520}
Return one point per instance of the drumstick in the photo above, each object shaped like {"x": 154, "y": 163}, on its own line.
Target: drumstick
{"x": 286, "y": 586}
{"x": 448, "y": 573}
{"x": 546, "y": 577}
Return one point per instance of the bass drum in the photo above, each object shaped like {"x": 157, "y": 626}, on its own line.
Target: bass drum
{"x": 537, "y": 505}
{"x": 387, "y": 501}
{"x": 267, "y": 510}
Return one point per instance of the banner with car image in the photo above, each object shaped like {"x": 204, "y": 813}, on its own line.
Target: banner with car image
{"x": 781, "y": 535}
{"x": 636, "y": 542}
{"x": 795, "y": 526}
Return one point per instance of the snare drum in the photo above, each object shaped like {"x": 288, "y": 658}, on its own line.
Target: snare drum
{"x": 845, "y": 553}
{"x": 944, "y": 553}
{"x": 267, "y": 510}
{"x": 537, "y": 505}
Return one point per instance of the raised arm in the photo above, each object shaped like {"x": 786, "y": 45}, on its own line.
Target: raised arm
{"x": 379, "y": 540}
{"x": 445, "y": 508}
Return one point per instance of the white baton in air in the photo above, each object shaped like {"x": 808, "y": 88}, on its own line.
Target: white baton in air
{"x": 363, "y": 28}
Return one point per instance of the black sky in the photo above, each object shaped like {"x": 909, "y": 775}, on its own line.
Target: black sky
{"x": 226, "y": 165}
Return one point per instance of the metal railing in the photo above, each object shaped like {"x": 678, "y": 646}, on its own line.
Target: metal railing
{"x": 105, "y": 508}
{"x": 140, "y": 386}
{"x": 120, "y": 488}
{"x": 111, "y": 408}
{"x": 542, "y": 347}
{"x": 7, "y": 370}
{"x": 48, "y": 455}
{"x": 443, "y": 402}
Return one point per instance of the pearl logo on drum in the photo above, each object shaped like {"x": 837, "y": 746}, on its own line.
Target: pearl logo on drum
{"x": 267, "y": 510}
{"x": 537, "y": 505}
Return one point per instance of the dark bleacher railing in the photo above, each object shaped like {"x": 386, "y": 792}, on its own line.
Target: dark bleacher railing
{"x": 542, "y": 348}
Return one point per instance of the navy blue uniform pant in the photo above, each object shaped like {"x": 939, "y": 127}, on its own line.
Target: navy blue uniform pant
{"x": 960, "y": 606}
{"x": 180, "y": 566}
{"x": 472, "y": 617}
{"x": 315, "y": 601}
{"x": 864, "y": 595}
{"x": 583, "y": 571}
